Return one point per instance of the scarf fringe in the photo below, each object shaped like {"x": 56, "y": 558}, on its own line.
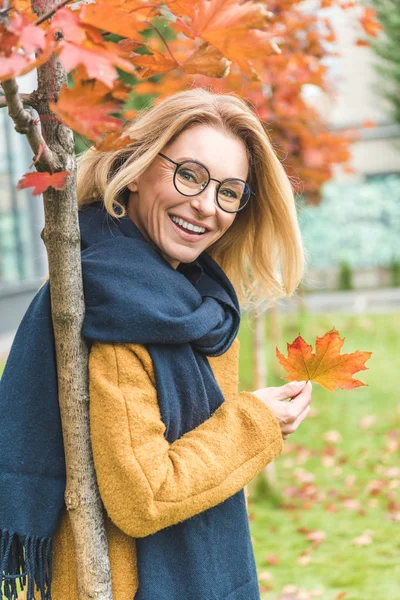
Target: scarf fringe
{"x": 28, "y": 558}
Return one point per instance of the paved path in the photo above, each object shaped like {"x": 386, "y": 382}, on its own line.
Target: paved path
{"x": 375, "y": 301}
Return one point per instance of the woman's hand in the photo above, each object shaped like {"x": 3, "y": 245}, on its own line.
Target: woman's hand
{"x": 289, "y": 414}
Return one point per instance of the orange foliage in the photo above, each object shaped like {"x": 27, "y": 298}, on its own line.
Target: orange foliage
{"x": 264, "y": 55}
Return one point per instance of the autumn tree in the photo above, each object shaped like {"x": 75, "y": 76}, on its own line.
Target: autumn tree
{"x": 92, "y": 61}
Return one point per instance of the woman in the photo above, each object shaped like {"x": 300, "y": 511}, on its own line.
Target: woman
{"x": 197, "y": 202}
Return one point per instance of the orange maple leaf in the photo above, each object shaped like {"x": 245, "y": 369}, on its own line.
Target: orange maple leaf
{"x": 120, "y": 20}
{"x": 238, "y": 30}
{"x": 41, "y": 181}
{"x": 205, "y": 59}
{"x": 327, "y": 366}
{"x": 86, "y": 108}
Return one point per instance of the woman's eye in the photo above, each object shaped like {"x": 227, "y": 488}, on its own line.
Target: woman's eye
{"x": 229, "y": 193}
{"x": 188, "y": 175}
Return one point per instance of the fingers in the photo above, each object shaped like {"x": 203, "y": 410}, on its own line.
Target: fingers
{"x": 291, "y": 427}
{"x": 289, "y": 390}
{"x": 301, "y": 401}
{"x": 302, "y": 416}
{"x": 289, "y": 414}
{"x": 297, "y": 410}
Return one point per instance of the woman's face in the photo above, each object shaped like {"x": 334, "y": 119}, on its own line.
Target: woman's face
{"x": 153, "y": 200}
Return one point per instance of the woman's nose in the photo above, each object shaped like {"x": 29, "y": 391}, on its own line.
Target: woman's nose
{"x": 204, "y": 203}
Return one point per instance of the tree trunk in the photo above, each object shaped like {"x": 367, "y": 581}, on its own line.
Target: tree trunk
{"x": 53, "y": 147}
{"x": 62, "y": 240}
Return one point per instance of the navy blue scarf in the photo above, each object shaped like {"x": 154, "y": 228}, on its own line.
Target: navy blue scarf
{"x": 132, "y": 295}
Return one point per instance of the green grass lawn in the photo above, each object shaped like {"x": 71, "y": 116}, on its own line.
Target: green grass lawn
{"x": 344, "y": 489}
{"x": 338, "y": 475}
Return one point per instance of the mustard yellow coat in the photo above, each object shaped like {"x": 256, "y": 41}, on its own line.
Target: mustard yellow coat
{"x": 145, "y": 482}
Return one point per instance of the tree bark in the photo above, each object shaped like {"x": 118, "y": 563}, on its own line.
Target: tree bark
{"x": 53, "y": 146}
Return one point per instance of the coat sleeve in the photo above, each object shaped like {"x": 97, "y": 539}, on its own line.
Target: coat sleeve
{"x": 145, "y": 482}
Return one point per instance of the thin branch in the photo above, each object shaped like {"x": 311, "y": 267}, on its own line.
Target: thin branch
{"x": 5, "y": 9}
{"x": 25, "y": 123}
{"x": 26, "y": 99}
{"x": 51, "y": 12}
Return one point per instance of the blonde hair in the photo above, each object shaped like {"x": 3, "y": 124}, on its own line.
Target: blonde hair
{"x": 264, "y": 233}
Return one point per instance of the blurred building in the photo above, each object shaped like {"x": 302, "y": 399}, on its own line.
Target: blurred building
{"x": 358, "y": 220}
{"x": 357, "y": 101}
{"x": 23, "y": 259}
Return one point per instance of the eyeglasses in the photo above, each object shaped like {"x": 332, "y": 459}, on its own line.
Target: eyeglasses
{"x": 191, "y": 178}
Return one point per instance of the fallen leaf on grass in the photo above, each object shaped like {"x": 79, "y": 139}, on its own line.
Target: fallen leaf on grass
{"x": 367, "y": 421}
{"x": 316, "y": 536}
{"x": 327, "y": 461}
{"x": 392, "y": 472}
{"x": 392, "y": 446}
{"x": 303, "y": 476}
{"x": 375, "y": 486}
{"x": 363, "y": 540}
{"x": 351, "y": 504}
{"x": 332, "y": 508}
{"x": 291, "y": 592}
{"x": 265, "y": 576}
{"x": 304, "y": 559}
{"x": 332, "y": 436}
{"x": 327, "y": 366}
{"x": 393, "y": 517}
{"x": 288, "y": 590}
{"x": 349, "y": 481}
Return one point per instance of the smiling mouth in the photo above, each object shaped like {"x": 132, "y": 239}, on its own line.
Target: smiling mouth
{"x": 184, "y": 226}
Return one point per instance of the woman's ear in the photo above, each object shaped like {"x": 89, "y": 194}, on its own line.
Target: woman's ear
{"x": 132, "y": 186}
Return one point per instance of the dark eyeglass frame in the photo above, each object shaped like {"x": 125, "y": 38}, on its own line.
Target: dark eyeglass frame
{"x": 179, "y": 164}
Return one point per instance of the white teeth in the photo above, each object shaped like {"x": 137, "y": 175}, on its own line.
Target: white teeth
{"x": 187, "y": 225}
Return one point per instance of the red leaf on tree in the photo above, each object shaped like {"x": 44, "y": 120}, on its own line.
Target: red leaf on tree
{"x": 17, "y": 45}
{"x": 41, "y": 181}
{"x": 86, "y": 106}
{"x": 84, "y": 45}
{"x": 99, "y": 64}
{"x": 69, "y": 24}
{"x": 327, "y": 366}
{"x": 31, "y": 37}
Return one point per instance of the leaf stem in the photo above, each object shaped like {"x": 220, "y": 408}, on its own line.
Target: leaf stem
{"x": 165, "y": 42}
